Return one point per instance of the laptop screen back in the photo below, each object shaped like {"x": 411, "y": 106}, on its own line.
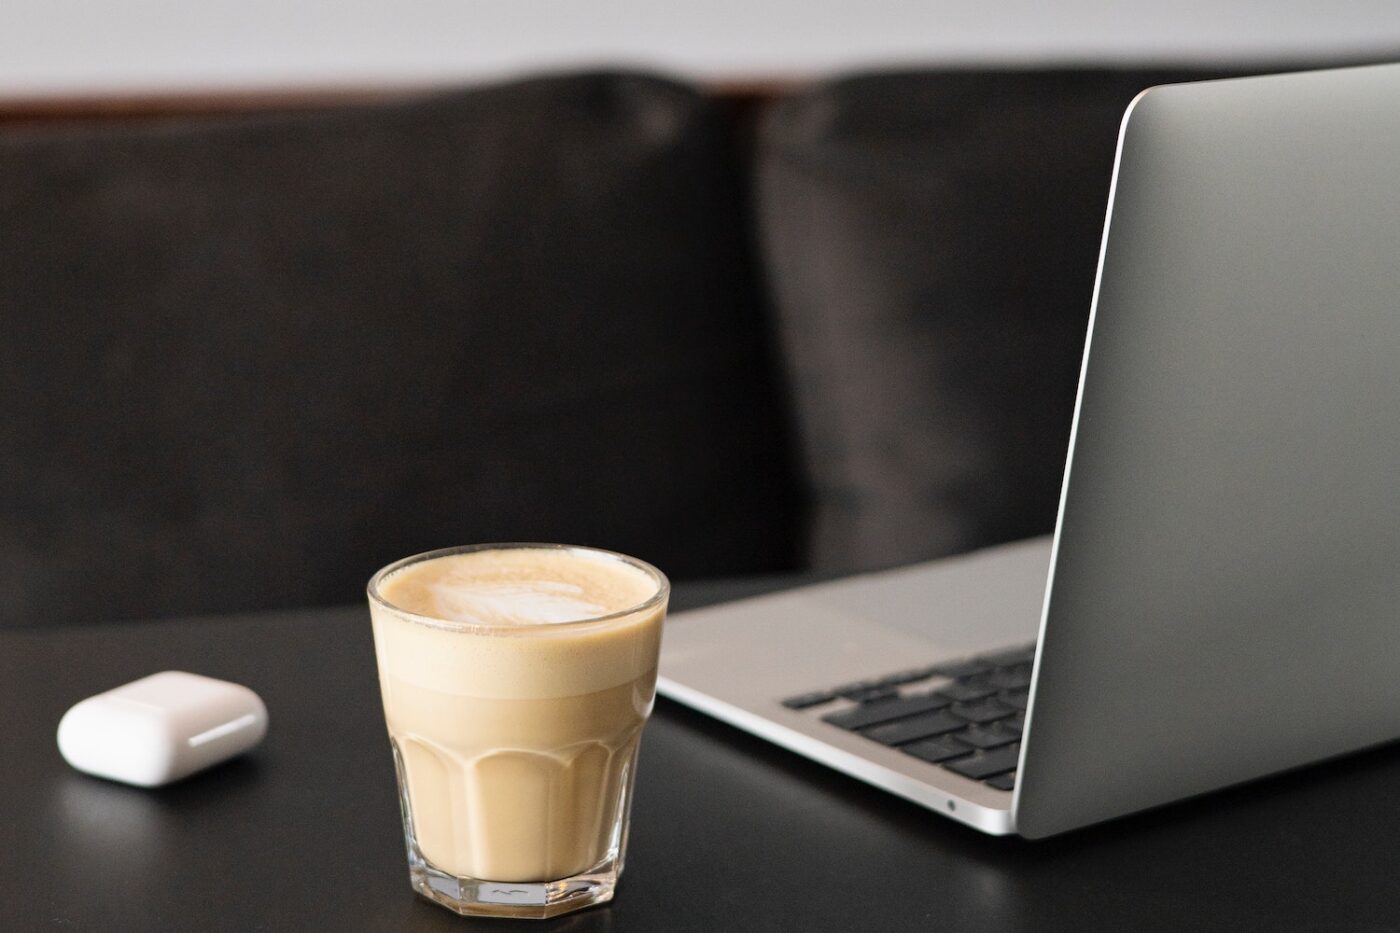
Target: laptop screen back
{"x": 1225, "y": 593}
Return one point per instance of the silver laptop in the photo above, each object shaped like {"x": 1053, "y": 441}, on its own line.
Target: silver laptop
{"x": 1221, "y": 597}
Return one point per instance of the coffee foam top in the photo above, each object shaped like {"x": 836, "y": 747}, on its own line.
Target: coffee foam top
{"x": 519, "y": 596}
{"x": 517, "y": 586}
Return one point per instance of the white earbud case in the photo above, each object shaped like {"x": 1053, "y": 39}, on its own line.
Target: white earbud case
{"x": 161, "y": 728}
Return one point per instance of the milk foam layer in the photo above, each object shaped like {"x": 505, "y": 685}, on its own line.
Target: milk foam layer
{"x": 518, "y": 586}
{"x": 523, "y": 657}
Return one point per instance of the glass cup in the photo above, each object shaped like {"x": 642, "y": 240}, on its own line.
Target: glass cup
{"x": 515, "y": 745}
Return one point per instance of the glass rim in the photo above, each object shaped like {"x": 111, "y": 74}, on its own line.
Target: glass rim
{"x": 658, "y": 598}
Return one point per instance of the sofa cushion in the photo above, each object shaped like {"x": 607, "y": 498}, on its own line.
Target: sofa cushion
{"x": 932, "y": 241}
{"x": 249, "y": 360}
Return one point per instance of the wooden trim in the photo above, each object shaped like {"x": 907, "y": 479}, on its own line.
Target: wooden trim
{"x": 154, "y": 106}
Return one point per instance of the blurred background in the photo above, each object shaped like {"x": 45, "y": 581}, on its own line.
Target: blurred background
{"x": 89, "y": 49}
{"x": 291, "y": 290}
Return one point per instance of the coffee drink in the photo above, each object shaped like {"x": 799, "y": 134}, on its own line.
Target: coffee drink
{"x": 516, "y": 681}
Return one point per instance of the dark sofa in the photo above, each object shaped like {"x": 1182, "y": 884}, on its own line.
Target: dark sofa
{"x": 248, "y": 359}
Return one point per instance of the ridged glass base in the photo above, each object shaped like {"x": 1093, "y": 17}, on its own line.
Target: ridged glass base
{"x": 473, "y": 897}
{"x": 477, "y": 897}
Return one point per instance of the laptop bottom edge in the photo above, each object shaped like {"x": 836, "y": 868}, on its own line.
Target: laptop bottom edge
{"x": 996, "y": 821}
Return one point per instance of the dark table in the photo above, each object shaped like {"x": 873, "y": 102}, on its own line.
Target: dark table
{"x": 728, "y": 833}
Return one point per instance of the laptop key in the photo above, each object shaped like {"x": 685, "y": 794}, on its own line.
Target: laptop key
{"x": 982, "y": 765}
{"x": 1002, "y": 781}
{"x": 980, "y": 711}
{"x": 1010, "y": 678}
{"x": 805, "y": 700}
{"x": 870, "y": 694}
{"x": 904, "y": 677}
{"x": 962, "y": 690}
{"x": 935, "y": 750}
{"x": 960, "y": 669}
{"x": 992, "y": 736}
{"x": 870, "y": 714}
{"x": 1015, "y": 698}
{"x": 1022, "y": 655}
{"x": 915, "y": 727}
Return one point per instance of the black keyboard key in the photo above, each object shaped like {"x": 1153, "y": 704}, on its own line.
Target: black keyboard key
{"x": 982, "y": 765}
{"x": 871, "y": 714}
{"x": 963, "y": 690}
{"x": 980, "y": 711}
{"x": 1016, "y": 699}
{"x": 915, "y": 727}
{"x": 1012, "y": 725}
{"x": 805, "y": 700}
{"x": 863, "y": 690}
{"x": 1010, "y": 678}
{"x": 871, "y": 694}
{"x": 1022, "y": 655}
{"x": 938, "y": 749}
{"x": 959, "y": 669}
{"x": 1002, "y": 781}
{"x": 992, "y": 736}
{"x": 904, "y": 677}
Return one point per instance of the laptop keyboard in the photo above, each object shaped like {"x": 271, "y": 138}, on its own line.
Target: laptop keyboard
{"x": 965, "y": 716}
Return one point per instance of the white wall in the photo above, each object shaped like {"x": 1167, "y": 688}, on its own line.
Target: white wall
{"x": 98, "y": 47}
